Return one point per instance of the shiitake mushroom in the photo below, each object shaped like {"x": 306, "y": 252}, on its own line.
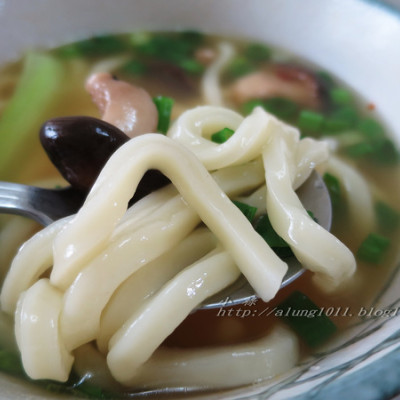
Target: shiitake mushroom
{"x": 80, "y": 146}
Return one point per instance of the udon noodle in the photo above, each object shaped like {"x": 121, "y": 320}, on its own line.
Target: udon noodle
{"x": 93, "y": 253}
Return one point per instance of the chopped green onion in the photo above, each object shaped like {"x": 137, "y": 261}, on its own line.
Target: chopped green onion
{"x": 340, "y": 96}
{"x": 306, "y": 319}
{"x": 385, "y": 152}
{"x": 388, "y": 218}
{"x": 313, "y": 217}
{"x": 371, "y": 128}
{"x": 195, "y": 38}
{"x": 333, "y": 185}
{"x": 176, "y": 49}
{"x": 222, "y": 136}
{"x": 240, "y": 66}
{"x": 154, "y": 45}
{"x": 138, "y": 39}
{"x": 281, "y": 107}
{"x": 264, "y": 228}
{"x": 134, "y": 67}
{"x": 310, "y": 121}
{"x": 248, "y": 211}
{"x": 336, "y": 124}
{"x": 90, "y": 390}
{"x": 191, "y": 66}
{"x": 257, "y": 52}
{"x": 11, "y": 363}
{"x": 359, "y": 150}
{"x": 373, "y": 248}
{"x": 36, "y": 90}
{"x": 164, "y": 107}
{"x": 249, "y": 106}
{"x": 325, "y": 79}
{"x": 348, "y": 114}
{"x": 95, "y": 46}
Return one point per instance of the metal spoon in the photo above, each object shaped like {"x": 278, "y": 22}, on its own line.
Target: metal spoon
{"x": 48, "y": 205}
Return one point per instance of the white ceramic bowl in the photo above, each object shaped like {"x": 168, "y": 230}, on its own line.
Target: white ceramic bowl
{"x": 356, "y": 40}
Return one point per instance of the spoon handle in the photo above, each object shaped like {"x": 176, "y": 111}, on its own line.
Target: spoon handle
{"x": 42, "y": 205}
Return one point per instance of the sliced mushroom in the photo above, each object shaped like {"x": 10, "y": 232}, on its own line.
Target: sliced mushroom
{"x": 79, "y": 147}
{"x": 290, "y": 82}
{"x": 128, "y": 107}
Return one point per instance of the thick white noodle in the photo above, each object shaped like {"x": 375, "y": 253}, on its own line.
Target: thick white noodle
{"x": 144, "y": 332}
{"x": 225, "y": 366}
{"x": 14, "y": 231}
{"x": 257, "y": 199}
{"x": 105, "y": 251}
{"x": 145, "y": 282}
{"x": 316, "y": 248}
{"x": 32, "y": 260}
{"x": 357, "y": 195}
{"x": 80, "y": 319}
{"x": 128, "y": 252}
{"x": 85, "y": 235}
{"x": 210, "y": 84}
{"x": 44, "y": 355}
{"x": 194, "y": 127}
{"x": 206, "y": 367}
{"x": 308, "y": 154}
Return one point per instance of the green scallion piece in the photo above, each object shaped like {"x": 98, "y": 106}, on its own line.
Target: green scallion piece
{"x": 385, "y": 152}
{"x": 257, "y": 52}
{"x": 306, "y": 319}
{"x": 325, "y": 78}
{"x": 164, "y": 107}
{"x": 264, "y": 228}
{"x": 336, "y": 124}
{"x": 248, "y": 211}
{"x": 340, "y": 96}
{"x": 191, "y": 66}
{"x": 95, "y": 46}
{"x": 138, "y": 39}
{"x": 371, "y": 128}
{"x": 11, "y": 363}
{"x": 195, "y": 38}
{"x": 249, "y": 106}
{"x": 310, "y": 121}
{"x": 281, "y": 107}
{"x": 334, "y": 188}
{"x": 312, "y": 216}
{"x": 388, "y": 217}
{"x": 359, "y": 150}
{"x": 222, "y": 136}
{"x": 240, "y": 66}
{"x": 348, "y": 114}
{"x": 172, "y": 48}
{"x": 134, "y": 67}
{"x": 372, "y": 250}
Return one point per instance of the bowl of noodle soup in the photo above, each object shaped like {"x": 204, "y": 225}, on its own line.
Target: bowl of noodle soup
{"x": 256, "y": 97}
